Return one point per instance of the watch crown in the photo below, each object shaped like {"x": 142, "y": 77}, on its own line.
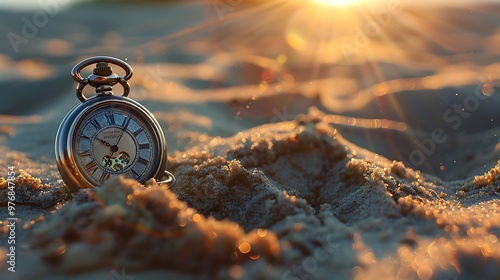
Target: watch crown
{"x": 103, "y": 69}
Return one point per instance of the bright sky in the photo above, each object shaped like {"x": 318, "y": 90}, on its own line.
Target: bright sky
{"x": 35, "y": 4}
{"x": 32, "y": 4}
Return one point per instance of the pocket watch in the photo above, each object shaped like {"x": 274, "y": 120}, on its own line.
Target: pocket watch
{"x": 109, "y": 135}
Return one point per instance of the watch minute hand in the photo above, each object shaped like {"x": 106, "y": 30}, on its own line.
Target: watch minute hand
{"x": 114, "y": 148}
{"x": 127, "y": 121}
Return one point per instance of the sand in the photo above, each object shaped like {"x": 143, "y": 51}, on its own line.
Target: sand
{"x": 294, "y": 160}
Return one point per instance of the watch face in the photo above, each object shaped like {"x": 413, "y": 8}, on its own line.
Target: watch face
{"x": 115, "y": 140}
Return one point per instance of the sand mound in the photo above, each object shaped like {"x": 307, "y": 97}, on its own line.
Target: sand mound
{"x": 117, "y": 224}
{"x": 288, "y": 200}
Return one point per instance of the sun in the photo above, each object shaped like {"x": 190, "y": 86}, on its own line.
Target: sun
{"x": 336, "y": 3}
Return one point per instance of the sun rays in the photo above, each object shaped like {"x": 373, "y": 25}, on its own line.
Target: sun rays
{"x": 339, "y": 3}
{"x": 355, "y": 56}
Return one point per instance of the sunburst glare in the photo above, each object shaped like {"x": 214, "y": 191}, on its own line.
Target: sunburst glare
{"x": 338, "y": 3}
{"x": 343, "y": 51}
{"x": 333, "y": 2}
{"x": 339, "y": 31}
{"x": 347, "y": 3}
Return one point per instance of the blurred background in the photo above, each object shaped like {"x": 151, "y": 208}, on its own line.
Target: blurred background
{"x": 395, "y": 77}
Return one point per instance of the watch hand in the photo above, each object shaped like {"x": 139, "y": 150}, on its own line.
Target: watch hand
{"x": 123, "y": 131}
{"x": 108, "y": 161}
{"x": 114, "y": 148}
{"x": 104, "y": 142}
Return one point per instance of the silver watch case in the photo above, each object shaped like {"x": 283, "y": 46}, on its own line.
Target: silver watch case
{"x": 70, "y": 173}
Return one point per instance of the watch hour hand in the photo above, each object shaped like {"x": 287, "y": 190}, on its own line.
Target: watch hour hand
{"x": 104, "y": 142}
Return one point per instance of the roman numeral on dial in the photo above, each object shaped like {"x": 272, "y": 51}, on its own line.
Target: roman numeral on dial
{"x": 110, "y": 117}
{"x": 95, "y": 124}
{"x": 104, "y": 177}
{"x": 136, "y": 175}
{"x": 144, "y": 146}
{"x": 143, "y": 161}
{"x": 91, "y": 167}
{"x": 85, "y": 153}
{"x": 137, "y": 132}
{"x": 125, "y": 122}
